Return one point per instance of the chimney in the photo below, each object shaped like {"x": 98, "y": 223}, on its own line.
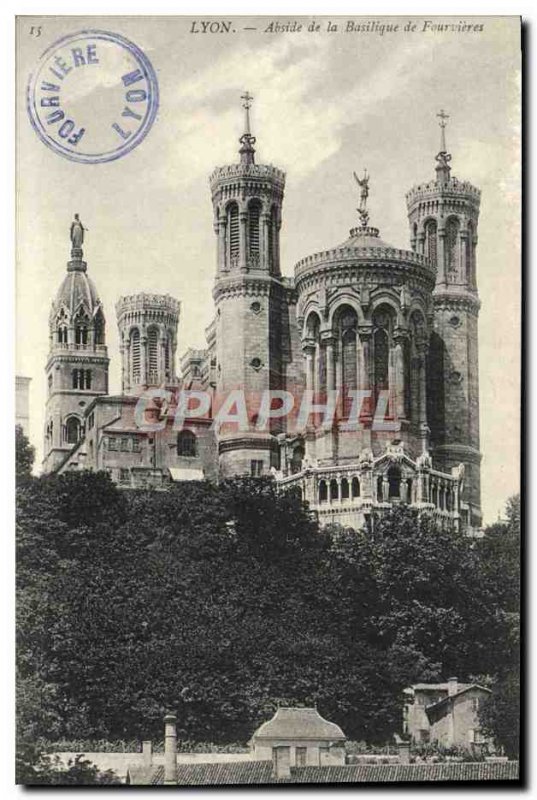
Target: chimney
{"x": 147, "y": 753}
{"x": 452, "y": 686}
{"x": 281, "y": 762}
{"x": 170, "y": 750}
{"x": 403, "y": 751}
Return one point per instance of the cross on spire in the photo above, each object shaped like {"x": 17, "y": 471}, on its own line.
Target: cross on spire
{"x": 247, "y": 104}
{"x": 443, "y": 117}
{"x": 247, "y": 140}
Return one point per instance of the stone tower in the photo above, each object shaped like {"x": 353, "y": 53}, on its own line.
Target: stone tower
{"x": 443, "y": 216}
{"x": 148, "y": 340}
{"x": 77, "y": 365}
{"x": 250, "y": 298}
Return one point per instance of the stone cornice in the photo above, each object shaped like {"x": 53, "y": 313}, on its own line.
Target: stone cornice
{"x": 341, "y": 274}
{"x": 381, "y": 256}
{"x": 90, "y": 359}
{"x": 248, "y": 443}
{"x": 231, "y": 173}
{"x": 245, "y": 285}
{"x": 456, "y": 302}
{"x": 148, "y": 302}
{"x": 434, "y": 190}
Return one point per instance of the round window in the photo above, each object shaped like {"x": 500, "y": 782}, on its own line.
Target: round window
{"x": 256, "y": 307}
{"x": 455, "y": 321}
{"x": 255, "y": 363}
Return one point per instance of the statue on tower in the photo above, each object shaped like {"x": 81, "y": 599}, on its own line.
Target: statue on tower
{"x": 364, "y": 194}
{"x": 77, "y": 233}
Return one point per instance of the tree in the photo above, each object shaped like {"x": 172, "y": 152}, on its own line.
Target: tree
{"x": 501, "y": 554}
{"x": 24, "y": 455}
{"x": 223, "y": 601}
{"x": 499, "y": 715}
{"x": 33, "y": 768}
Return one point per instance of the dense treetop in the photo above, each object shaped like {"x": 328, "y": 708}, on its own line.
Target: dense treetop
{"x": 221, "y": 602}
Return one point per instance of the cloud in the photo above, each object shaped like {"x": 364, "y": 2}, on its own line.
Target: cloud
{"x": 295, "y": 91}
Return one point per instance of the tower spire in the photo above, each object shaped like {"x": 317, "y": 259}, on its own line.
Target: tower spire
{"x": 443, "y": 157}
{"x": 247, "y": 140}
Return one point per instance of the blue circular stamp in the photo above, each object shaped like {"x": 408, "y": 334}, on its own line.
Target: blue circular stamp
{"x": 93, "y": 96}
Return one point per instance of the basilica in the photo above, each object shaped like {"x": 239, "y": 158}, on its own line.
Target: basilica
{"x": 384, "y": 336}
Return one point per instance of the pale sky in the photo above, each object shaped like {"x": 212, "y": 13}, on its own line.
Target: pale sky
{"x": 325, "y": 104}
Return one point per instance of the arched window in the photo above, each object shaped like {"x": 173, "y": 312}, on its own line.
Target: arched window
{"x": 355, "y": 487}
{"x": 99, "y": 327}
{"x": 187, "y": 444}
{"x": 152, "y": 355}
{"x": 81, "y": 328}
{"x": 382, "y": 332}
{"x": 62, "y": 334}
{"x": 135, "y": 354}
{"x": 272, "y": 234}
{"x": 167, "y": 359}
{"x": 431, "y": 241}
{"x": 469, "y": 266}
{"x": 347, "y": 323}
{"x": 394, "y": 482}
{"x": 254, "y": 214}
{"x": 72, "y": 430}
{"x": 345, "y": 489}
{"x": 296, "y": 461}
{"x": 380, "y": 492}
{"x": 323, "y": 492}
{"x": 452, "y": 247}
{"x": 233, "y": 239}
{"x": 334, "y": 489}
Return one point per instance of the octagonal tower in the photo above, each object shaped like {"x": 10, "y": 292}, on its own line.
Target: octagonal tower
{"x": 148, "y": 340}
{"x": 443, "y": 216}
{"x": 251, "y": 300}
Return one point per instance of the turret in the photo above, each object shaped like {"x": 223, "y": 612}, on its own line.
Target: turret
{"x": 443, "y": 216}
{"x": 77, "y": 365}
{"x": 148, "y": 340}
{"x": 250, "y": 296}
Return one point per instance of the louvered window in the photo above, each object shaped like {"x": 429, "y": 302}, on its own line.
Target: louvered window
{"x": 254, "y": 212}
{"x": 135, "y": 354}
{"x": 152, "y": 355}
{"x": 233, "y": 232}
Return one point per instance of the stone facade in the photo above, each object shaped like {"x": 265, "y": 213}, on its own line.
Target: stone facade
{"x": 446, "y": 713}
{"x": 379, "y": 341}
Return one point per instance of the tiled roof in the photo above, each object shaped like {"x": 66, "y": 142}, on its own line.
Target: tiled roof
{"x": 465, "y": 688}
{"x": 260, "y": 772}
{"x": 298, "y": 723}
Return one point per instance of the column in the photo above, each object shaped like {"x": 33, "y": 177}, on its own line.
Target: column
{"x": 422, "y": 391}
{"x": 243, "y": 256}
{"x": 441, "y": 265}
{"x": 399, "y": 369}
{"x": 309, "y": 350}
{"x": 330, "y": 365}
{"x": 421, "y": 242}
{"x": 161, "y": 356}
{"x": 221, "y": 230}
{"x": 276, "y": 242}
{"x": 143, "y": 356}
{"x": 465, "y": 277}
{"x": 365, "y": 370}
{"x": 263, "y": 241}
